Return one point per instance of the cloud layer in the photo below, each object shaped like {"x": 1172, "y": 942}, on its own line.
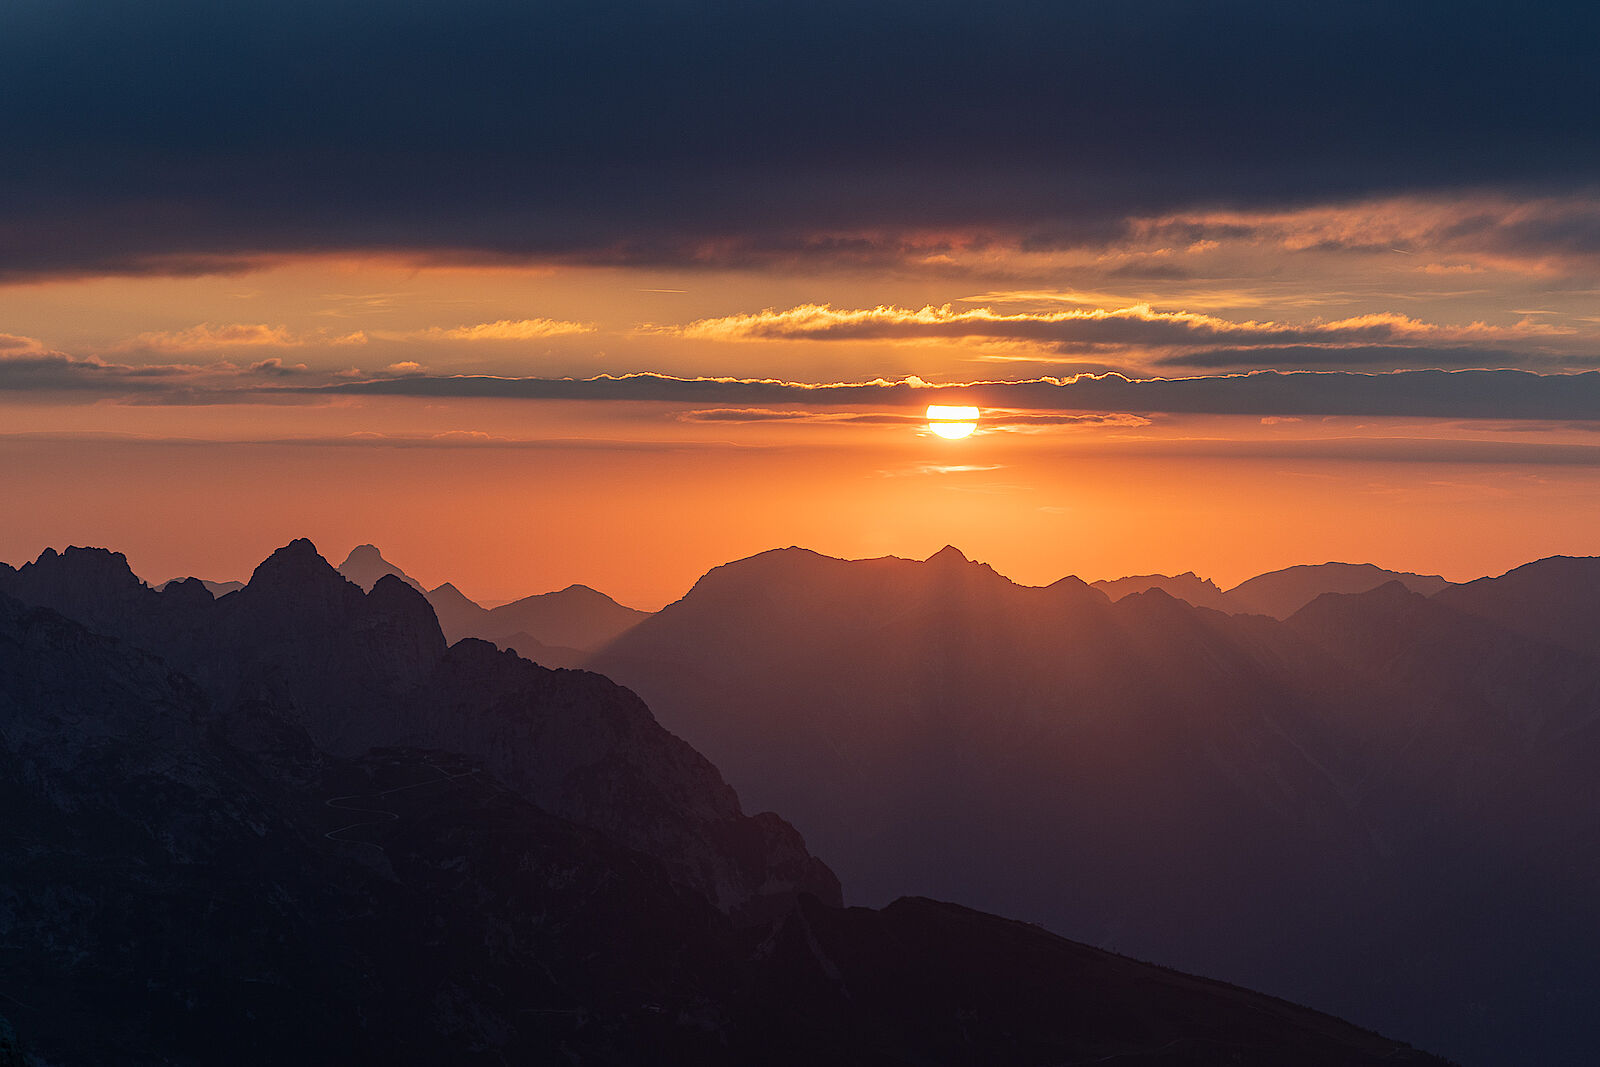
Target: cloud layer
{"x": 180, "y": 136}
{"x": 1139, "y": 325}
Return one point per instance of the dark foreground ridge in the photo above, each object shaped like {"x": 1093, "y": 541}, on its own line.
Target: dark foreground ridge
{"x": 289, "y": 825}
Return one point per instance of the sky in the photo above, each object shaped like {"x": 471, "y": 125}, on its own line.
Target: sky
{"x": 537, "y": 293}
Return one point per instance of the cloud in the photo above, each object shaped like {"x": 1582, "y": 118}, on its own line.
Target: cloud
{"x": 211, "y": 337}
{"x": 1082, "y": 399}
{"x": 942, "y": 468}
{"x": 990, "y": 419}
{"x": 1467, "y": 233}
{"x": 32, "y": 370}
{"x": 613, "y": 131}
{"x": 1137, "y": 326}
{"x": 207, "y": 337}
{"x": 503, "y": 330}
{"x": 1357, "y": 355}
{"x": 1503, "y": 394}
{"x": 11, "y": 344}
{"x": 276, "y": 366}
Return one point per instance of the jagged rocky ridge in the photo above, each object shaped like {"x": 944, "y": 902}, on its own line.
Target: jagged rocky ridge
{"x": 211, "y": 868}
{"x": 1383, "y": 805}
{"x": 303, "y": 647}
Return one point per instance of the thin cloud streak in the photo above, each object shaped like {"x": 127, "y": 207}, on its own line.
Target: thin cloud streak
{"x": 208, "y": 337}
{"x": 1138, "y": 325}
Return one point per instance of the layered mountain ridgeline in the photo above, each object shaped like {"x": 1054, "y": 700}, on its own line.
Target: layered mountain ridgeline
{"x": 559, "y": 629}
{"x": 1383, "y": 805}
{"x": 202, "y": 871}
{"x": 300, "y": 647}
{"x": 1277, "y": 593}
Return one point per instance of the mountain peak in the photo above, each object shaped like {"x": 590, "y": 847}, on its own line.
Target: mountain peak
{"x": 365, "y": 565}
{"x": 297, "y": 563}
{"x": 947, "y": 555}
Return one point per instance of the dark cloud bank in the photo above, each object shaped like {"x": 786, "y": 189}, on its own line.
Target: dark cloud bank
{"x": 1506, "y": 394}
{"x": 172, "y": 135}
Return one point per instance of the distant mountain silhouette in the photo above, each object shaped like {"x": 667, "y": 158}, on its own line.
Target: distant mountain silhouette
{"x": 575, "y": 618}
{"x": 1552, "y": 599}
{"x": 1282, "y": 593}
{"x": 216, "y": 589}
{"x": 1201, "y": 592}
{"x": 309, "y": 832}
{"x": 555, "y": 629}
{"x": 1362, "y": 807}
{"x": 365, "y": 565}
{"x": 1277, "y": 593}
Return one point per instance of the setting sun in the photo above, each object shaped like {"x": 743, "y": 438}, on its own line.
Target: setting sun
{"x": 952, "y": 423}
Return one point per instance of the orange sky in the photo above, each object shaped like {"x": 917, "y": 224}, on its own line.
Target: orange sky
{"x": 169, "y": 436}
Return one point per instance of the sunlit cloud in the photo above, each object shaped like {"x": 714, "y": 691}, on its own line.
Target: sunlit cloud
{"x": 209, "y": 337}
{"x": 1506, "y": 394}
{"x": 11, "y": 343}
{"x": 925, "y": 469}
{"x": 502, "y": 330}
{"x": 1094, "y": 329}
{"x": 997, "y": 419}
{"x": 1461, "y": 234}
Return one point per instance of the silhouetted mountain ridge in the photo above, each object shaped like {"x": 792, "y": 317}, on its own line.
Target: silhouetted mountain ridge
{"x": 194, "y": 870}
{"x": 1277, "y": 593}
{"x": 1379, "y": 804}
{"x": 556, "y": 629}
{"x": 355, "y": 670}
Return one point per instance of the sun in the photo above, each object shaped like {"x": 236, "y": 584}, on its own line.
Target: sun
{"x": 952, "y": 423}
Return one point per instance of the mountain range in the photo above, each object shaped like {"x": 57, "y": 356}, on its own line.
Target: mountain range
{"x": 1278, "y": 593}
{"x": 1382, "y": 804}
{"x": 294, "y": 824}
{"x": 558, "y": 629}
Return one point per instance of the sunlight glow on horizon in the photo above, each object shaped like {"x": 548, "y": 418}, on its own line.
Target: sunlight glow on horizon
{"x": 952, "y": 423}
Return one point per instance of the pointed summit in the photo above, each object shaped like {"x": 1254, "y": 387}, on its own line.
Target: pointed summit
{"x": 365, "y": 565}
{"x": 947, "y": 555}
{"x": 297, "y": 569}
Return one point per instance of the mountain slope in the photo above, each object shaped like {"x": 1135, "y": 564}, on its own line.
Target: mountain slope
{"x": 1363, "y": 807}
{"x": 183, "y": 881}
{"x": 1551, "y": 599}
{"x": 302, "y": 648}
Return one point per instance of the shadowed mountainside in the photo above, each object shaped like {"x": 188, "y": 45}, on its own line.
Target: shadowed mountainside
{"x": 301, "y": 647}
{"x": 1381, "y": 805}
{"x": 212, "y": 865}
